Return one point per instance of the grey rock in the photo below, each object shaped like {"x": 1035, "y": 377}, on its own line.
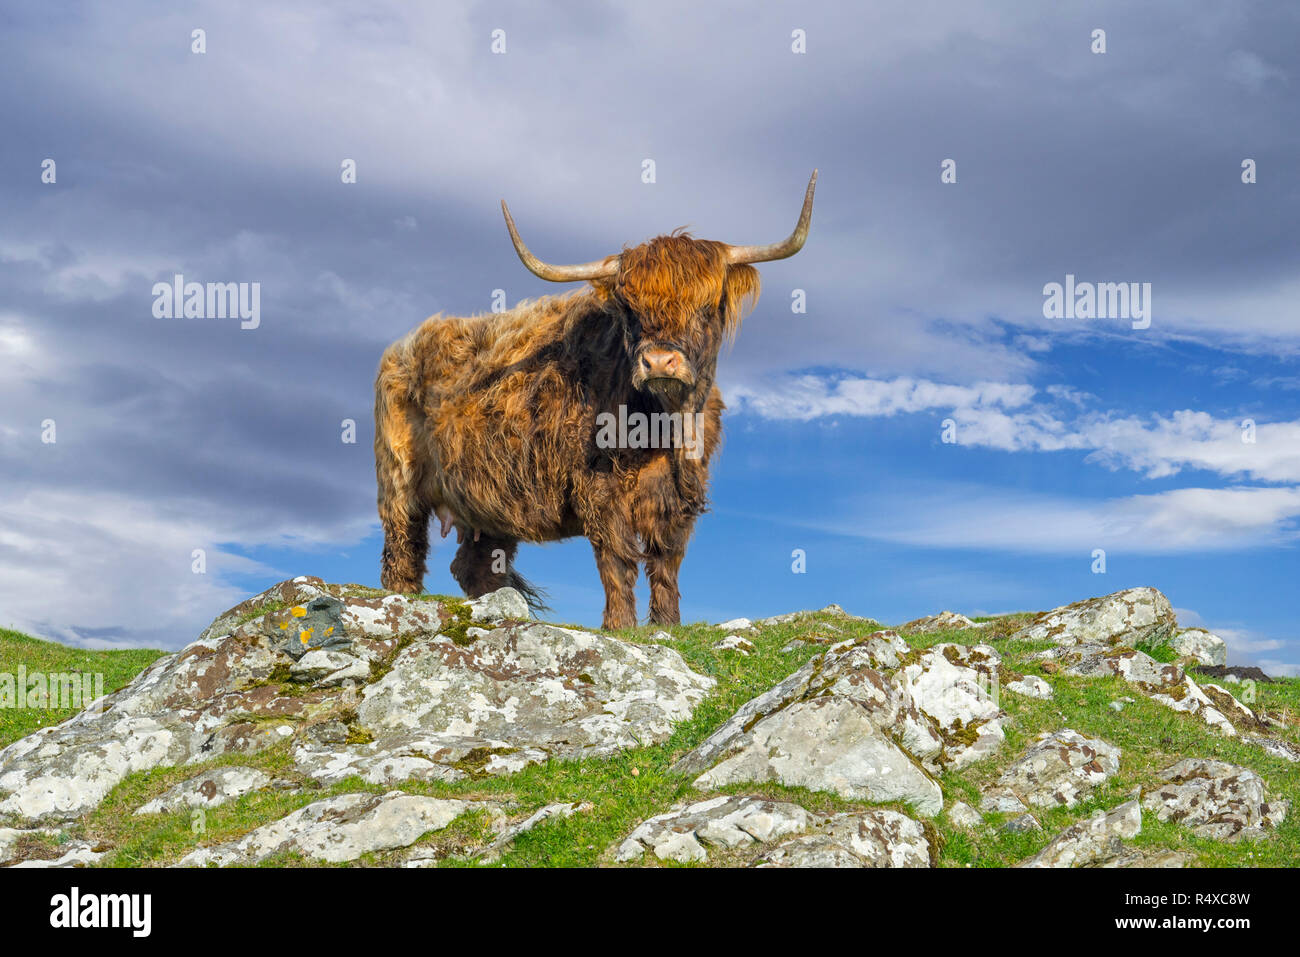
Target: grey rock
{"x": 1021, "y": 823}
{"x": 210, "y": 788}
{"x": 328, "y": 666}
{"x": 1031, "y": 686}
{"x": 736, "y": 624}
{"x": 1216, "y": 800}
{"x": 572, "y": 694}
{"x": 875, "y": 838}
{"x": 826, "y": 744}
{"x": 516, "y": 695}
{"x": 339, "y": 829}
{"x": 1060, "y": 769}
{"x": 1092, "y": 842}
{"x": 1206, "y": 647}
{"x": 492, "y": 853}
{"x": 998, "y": 800}
{"x": 954, "y": 687}
{"x": 504, "y": 603}
{"x": 1129, "y": 617}
{"x": 75, "y": 854}
{"x": 735, "y": 643}
{"x": 963, "y": 815}
{"x": 687, "y": 832}
{"x": 944, "y": 621}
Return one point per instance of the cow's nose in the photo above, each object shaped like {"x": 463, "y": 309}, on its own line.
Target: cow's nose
{"x": 661, "y": 363}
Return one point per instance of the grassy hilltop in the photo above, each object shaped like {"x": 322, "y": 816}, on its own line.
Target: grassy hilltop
{"x": 625, "y": 790}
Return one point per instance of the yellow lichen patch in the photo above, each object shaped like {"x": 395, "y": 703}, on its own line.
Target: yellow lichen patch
{"x": 305, "y": 635}
{"x": 298, "y": 611}
{"x": 284, "y": 626}
{"x": 329, "y": 630}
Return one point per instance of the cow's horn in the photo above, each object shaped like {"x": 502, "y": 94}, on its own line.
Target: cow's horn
{"x": 787, "y": 247}
{"x": 592, "y": 270}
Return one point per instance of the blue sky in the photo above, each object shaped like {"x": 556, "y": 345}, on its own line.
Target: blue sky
{"x": 925, "y": 299}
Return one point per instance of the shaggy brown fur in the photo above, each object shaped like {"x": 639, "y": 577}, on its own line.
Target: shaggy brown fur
{"x": 489, "y": 423}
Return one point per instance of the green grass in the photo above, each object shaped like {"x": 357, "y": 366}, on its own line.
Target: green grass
{"x": 46, "y": 657}
{"x": 638, "y": 783}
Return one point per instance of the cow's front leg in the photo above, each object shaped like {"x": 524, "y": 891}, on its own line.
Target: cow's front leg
{"x": 618, "y": 575}
{"x": 661, "y": 569}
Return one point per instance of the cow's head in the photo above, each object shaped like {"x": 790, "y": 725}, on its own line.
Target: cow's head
{"x": 675, "y": 298}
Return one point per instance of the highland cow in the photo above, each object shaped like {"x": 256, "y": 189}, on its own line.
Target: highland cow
{"x": 493, "y": 423}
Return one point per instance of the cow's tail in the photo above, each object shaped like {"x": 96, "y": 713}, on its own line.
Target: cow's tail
{"x": 533, "y": 594}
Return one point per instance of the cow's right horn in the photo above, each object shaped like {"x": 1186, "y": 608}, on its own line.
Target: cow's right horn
{"x": 592, "y": 270}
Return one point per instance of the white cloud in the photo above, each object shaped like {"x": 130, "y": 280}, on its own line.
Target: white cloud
{"x": 81, "y": 563}
{"x": 1181, "y": 520}
{"x": 1009, "y": 418}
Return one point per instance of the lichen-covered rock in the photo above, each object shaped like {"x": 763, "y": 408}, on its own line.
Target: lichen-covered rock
{"x": 413, "y": 756}
{"x": 827, "y": 743}
{"x": 687, "y": 832}
{"x": 1031, "y": 686}
{"x": 75, "y": 854}
{"x": 354, "y": 677}
{"x": 339, "y": 829}
{"x": 953, "y": 686}
{"x": 742, "y": 646}
{"x": 1206, "y": 647}
{"x": 852, "y": 668}
{"x": 572, "y": 694}
{"x": 944, "y": 621}
{"x": 329, "y": 668}
{"x": 831, "y": 610}
{"x": 1091, "y": 842}
{"x": 1216, "y": 799}
{"x": 210, "y": 788}
{"x": 963, "y": 815}
{"x": 1167, "y": 684}
{"x": 736, "y": 624}
{"x": 1129, "y": 617}
{"x": 1000, "y": 800}
{"x": 500, "y": 605}
{"x": 877, "y": 838}
{"x": 550, "y": 812}
{"x": 1060, "y": 769}
{"x": 1020, "y": 824}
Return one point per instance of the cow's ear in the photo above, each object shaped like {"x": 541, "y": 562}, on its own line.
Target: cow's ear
{"x": 739, "y": 294}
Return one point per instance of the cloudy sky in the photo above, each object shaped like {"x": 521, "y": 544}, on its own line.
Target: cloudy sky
{"x": 923, "y": 432}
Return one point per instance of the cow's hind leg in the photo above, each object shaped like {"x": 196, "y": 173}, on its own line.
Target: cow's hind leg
{"x": 403, "y": 512}
{"x": 486, "y": 563}
{"x": 406, "y": 544}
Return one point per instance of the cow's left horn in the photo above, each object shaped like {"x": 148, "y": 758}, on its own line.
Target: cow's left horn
{"x": 592, "y": 270}
{"x": 787, "y": 247}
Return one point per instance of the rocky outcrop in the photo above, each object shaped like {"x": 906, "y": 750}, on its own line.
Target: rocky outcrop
{"x": 1130, "y": 617}
{"x": 1205, "y": 647}
{"x": 944, "y": 621}
{"x": 350, "y": 685}
{"x": 387, "y": 687}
